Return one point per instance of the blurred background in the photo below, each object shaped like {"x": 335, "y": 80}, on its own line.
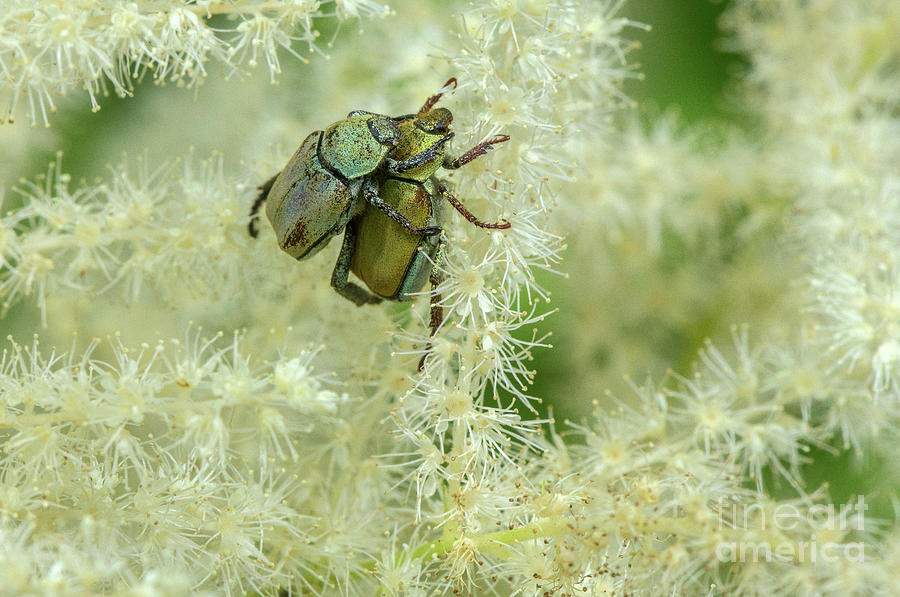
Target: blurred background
{"x": 683, "y": 59}
{"x": 664, "y": 311}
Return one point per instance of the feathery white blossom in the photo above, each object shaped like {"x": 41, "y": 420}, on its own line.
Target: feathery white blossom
{"x": 48, "y": 49}
{"x": 296, "y": 446}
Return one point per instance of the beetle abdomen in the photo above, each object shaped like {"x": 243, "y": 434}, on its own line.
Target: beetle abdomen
{"x": 307, "y": 204}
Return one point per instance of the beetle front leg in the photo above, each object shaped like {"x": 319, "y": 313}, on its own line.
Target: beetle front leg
{"x": 372, "y": 197}
{"x": 423, "y": 157}
{"x": 340, "y": 276}
{"x": 479, "y": 150}
{"x": 264, "y": 189}
{"x": 431, "y": 101}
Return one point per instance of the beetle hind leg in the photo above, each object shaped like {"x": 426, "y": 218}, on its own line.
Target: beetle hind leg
{"x": 340, "y": 276}
{"x": 437, "y": 310}
{"x": 264, "y": 189}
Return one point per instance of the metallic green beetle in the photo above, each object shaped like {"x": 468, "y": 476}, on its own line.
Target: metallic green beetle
{"x": 327, "y": 183}
{"x": 395, "y": 263}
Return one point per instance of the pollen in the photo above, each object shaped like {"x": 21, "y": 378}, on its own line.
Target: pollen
{"x": 711, "y": 416}
{"x": 471, "y": 282}
{"x": 457, "y": 404}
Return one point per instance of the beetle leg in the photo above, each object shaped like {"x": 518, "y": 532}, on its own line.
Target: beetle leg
{"x": 341, "y": 273}
{"x": 437, "y": 310}
{"x": 479, "y": 150}
{"x": 264, "y": 189}
{"x": 503, "y": 225}
{"x": 377, "y": 202}
{"x": 431, "y": 101}
{"x": 423, "y": 157}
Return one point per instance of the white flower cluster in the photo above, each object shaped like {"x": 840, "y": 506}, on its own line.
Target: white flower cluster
{"x": 49, "y": 48}
{"x": 163, "y": 469}
{"x": 179, "y": 222}
{"x": 837, "y": 144}
{"x": 528, "y": 69}
{"x": 815, "y": 199}
{"x": 176, "y": 237}
{"x": 173, "y": 462}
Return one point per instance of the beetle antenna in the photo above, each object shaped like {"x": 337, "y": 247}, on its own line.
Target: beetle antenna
{"x": 502, "y": 225}
{"x": 431, "y": 101}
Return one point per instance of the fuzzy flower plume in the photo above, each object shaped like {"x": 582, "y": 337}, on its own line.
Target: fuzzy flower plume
{"x": 847, "y": 212}
{"x": 197, "y": 413}
{"x": 164, "y": 469}
{"x": 49, "y": 48}
{"x": 691, "y": 219}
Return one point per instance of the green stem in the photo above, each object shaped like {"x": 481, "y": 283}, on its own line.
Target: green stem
{"x": 497, "y": 543}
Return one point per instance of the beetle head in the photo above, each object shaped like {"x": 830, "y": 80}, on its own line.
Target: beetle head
{"x": 435, "y": 122}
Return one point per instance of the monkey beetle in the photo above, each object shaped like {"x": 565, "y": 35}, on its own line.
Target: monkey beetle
{"x": 372, "y": 176}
